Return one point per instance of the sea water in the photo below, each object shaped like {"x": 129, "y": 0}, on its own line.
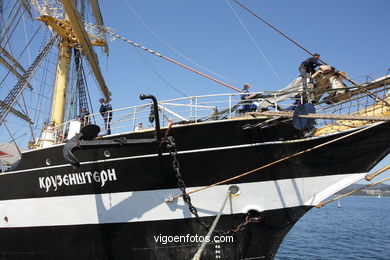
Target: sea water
{"x": 358, "y": 229}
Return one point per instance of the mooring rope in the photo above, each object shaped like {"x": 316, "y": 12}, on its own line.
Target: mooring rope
{"x": 278, "y": 161}
{"x": 212, "y": 228}
{"x": 319, "y": 205}
{"x": 369, "y": 177}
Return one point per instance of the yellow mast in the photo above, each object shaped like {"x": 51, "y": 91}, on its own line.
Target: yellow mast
{"x": 72, "y": 37}
{"x": 86, "y": 44}
{"x": 59, "y": 99}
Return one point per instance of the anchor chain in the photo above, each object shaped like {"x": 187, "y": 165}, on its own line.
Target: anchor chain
{"x": 171, "y": 146}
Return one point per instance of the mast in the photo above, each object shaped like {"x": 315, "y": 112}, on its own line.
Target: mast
{"x": 86, "y": 44}
{"x": 73, "y": 35}
{"x": 61, "y": 83}
{"x": 65, "y": 22}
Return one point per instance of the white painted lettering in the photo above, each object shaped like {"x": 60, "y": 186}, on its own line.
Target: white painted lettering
{"x": 72, "y": 179}
{"x": 80, "y": 178}
{"x": 111, "y": 174}
{"x": 41, "y": 183}
{"x": 96, "y": 176}
{"x": 59, "y": 178}
{"x": 89, "y": 176}
{"x": 65, "y": 179}
{"x": 48, "y": 184}
{"x": 54, "y": 181}
{"x": 103, "y": 177}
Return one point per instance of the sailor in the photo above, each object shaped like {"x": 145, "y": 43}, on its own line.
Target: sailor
{"x": 106, "y": 112}
{"x": 170, "y": 122}
{"x": 151, "y": 115}
{"x": 248, "y": 106}
{"x": 139, "y": 127}
{"x": 214, "y": 114}
{"x": 84, "y": 116}
{"x": 307, "y": 68}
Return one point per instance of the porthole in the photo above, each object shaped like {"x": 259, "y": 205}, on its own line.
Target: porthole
{"x": 48, "y": 162}
{"x": 107, "y": 153}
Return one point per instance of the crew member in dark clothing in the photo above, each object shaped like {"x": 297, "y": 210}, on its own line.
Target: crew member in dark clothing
{"x": 245, "y": 96}
{"x": 307, "y": 68}
{"x": 151, "y": 115}
{"x": 84, "y": 116}
{"x": 106, "y": 112}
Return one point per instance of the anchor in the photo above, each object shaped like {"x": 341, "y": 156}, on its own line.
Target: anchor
{"x": 85, "y": 139}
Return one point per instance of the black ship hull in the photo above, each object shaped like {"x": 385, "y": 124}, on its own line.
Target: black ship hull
{"x": 137, "y": 240}
{"x": 114, "y": 206}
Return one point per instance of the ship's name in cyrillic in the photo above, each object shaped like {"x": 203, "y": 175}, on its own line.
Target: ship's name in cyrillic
{"x": 79, "y": 178}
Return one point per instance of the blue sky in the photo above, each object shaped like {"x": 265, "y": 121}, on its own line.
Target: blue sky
{"x": 353, "y": 36}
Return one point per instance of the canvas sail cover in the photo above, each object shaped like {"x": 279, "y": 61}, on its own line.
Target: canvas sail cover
{"x": 9, "y": 154}
{"x": 325, "y": 78}
{"x": 290, "y": 91}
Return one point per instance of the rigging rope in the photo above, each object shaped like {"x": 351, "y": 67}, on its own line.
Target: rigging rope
{"x": 170, "y": 47}
{"x": 5, "y": 27}
{"x": 25, "y": 36}
{"x": 319, "y": 205}
{"x": 158, "y": 75}
{"x": 25, "y": 48}
{"x": 296, "y": 43}
{"x": 13, "y": 30}
{"x": 369, "y": 75}
{"x": 255, "y": 43}
{"x": 89, "y": 97}
{"x": 166, "y": 58}
{"x": 17, "y": 90}
{"x": 41, "y": 103}
{"x": 12, "y": 136}
{"x": 279, "y": 161}
{"x": 273, "y": 27}
{"x": 26, "y": 112}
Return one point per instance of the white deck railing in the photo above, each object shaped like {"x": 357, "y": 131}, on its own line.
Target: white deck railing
{"x": 188, "y": 109}
{"x": 217, "y": 107}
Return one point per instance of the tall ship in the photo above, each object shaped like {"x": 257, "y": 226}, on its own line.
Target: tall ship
{"x": 218, "y": 176}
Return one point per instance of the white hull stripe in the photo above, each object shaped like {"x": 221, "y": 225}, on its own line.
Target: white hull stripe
{"x": 179, "y": 152}
{"x": 149, "y": 156}
{"x": 150, "y": 205}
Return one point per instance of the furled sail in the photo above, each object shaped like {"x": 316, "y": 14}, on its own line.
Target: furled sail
{"x": 9, "y": 156}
